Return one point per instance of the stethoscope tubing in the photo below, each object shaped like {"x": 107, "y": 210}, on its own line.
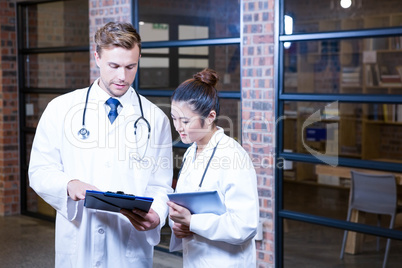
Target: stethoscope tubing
{"x": 83, "y": 133}
{"x": 206, "y": 168}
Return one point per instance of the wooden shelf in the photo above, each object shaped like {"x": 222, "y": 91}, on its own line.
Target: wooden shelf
{"x": 381, "y": 122}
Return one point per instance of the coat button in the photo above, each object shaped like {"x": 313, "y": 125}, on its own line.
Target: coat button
{"x": 101, "y": 231}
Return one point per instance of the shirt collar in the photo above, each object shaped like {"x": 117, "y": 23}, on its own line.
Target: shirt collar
{"x": 213, "y": 142}
{"x": 102, "y": 96}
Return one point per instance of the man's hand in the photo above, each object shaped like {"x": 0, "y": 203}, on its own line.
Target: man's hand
{"x": 141, "y": 220}
{"x": 179, "y": 214}
{"x": 76, "y": 189}
{"x": 181, "y": 230}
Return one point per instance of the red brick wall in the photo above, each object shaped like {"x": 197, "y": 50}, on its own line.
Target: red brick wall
{"x": 258, "y": 116}
{"x": 100, "y": 13}
{"x": 9, "y": 161}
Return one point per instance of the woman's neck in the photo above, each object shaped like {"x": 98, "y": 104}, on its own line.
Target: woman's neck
{"x": 202, "y": 144}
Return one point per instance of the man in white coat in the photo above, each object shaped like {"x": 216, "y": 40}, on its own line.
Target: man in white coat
{"x": 77, "y": 148}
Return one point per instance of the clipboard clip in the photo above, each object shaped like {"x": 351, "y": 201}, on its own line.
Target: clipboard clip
{"x": 110, "y": 193}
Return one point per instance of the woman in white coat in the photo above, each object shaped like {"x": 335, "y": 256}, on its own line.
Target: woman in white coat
{"x": 214, "y": 161}
{"x": 113, "y": 157}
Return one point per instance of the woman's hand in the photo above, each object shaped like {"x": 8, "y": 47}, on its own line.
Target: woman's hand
{"x": 181, "y": 230}
{"x": 179, "y": 214}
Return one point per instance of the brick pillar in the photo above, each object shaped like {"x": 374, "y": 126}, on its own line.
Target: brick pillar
{"x": 100, "y": 13}
{"x": 258, "y": 114}
{"x": 9, "y": 157}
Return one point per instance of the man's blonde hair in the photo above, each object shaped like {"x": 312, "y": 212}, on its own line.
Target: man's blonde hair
{"x": 117, "y": 34}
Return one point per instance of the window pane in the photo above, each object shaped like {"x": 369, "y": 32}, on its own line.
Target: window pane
{"x": 302, "y": 240}
{"x": 57, "y": 70}
{"x": 44, "y": 27}
{"x": 322, "y": 16}
{"x": 154, "y": 72}
{"x": 193, "y": 32}
{"x": 354, "y": 130}
{"x": 166, "y": 69}
{"x": 35, "y": 104}
{"x": 187, "y": 19}
{"x": 352, "y": 66}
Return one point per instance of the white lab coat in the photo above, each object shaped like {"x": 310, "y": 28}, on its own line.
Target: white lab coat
{"x": 226, "y": 240}
{"x": 94, "y": 238}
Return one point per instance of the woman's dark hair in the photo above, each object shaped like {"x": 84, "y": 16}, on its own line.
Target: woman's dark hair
{"x": 200, "y": 93}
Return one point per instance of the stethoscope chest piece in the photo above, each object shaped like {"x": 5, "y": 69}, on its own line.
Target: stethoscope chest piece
{"x": 83, "y": 133}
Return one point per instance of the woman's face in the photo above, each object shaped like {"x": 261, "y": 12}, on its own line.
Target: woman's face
{"x": 189, "y": 124}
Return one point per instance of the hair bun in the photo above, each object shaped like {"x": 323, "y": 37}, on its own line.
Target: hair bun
{"x": 207, "y": 76}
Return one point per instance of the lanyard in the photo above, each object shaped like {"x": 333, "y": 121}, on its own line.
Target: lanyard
{"x": 206, "y": 168}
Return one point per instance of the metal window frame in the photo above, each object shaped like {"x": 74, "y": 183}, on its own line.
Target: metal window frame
{"x": 184, "y": 43}
{"x": 279, "y": 211}
{"x": 22, "y": 91}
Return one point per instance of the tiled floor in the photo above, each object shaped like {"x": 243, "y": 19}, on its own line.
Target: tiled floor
{"x": 314, "y": 246}
{"x": 27, "y": 242}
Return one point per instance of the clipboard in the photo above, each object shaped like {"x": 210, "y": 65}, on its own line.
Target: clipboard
{"x": 199, "y": 202}
{"x": 113, "y": 202}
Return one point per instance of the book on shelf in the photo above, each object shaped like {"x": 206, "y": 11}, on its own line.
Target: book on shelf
{"x": 373, "y": 76}
{"x": 399, "y": 113}
{"x": 290, "y": 79}
{"x": 350, "y": 76}
{"x": 391, "y": 80}
{"x": 399, "y": 70}
{"x": 376, "y": 75}
{"x": 396, "y": 42}
{"x": 375, "y": 112}
{"x": 392, "y": 113}
{"x": 289, "y": 175}
{"x": 369, "y": 75}
{"x": 388, "y": 114}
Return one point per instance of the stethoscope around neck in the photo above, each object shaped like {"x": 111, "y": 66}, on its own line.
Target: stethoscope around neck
{"x": 83, "y": 133}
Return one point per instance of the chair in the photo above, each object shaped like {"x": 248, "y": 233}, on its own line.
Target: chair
{"x": 375, "y": 194}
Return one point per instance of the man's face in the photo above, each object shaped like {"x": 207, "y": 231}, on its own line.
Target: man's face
{"x": 118, "y": 67}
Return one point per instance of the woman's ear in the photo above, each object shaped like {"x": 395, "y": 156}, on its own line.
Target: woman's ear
{"x": 211, "y": 117}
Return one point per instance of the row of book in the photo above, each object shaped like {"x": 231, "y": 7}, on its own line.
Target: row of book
{"x": 386, "y": 112}
{"x": 392, "y": 112}
{"x": 380, "y": 76}
{"x": 396, "y": 42}
{"x": 350, "y": 76}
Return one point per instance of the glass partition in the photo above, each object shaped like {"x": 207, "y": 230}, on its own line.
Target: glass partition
{"x": 35, "y": 104}
{"x": 350, "y": 66}
{"x": 186, "y": 19}
{"x": 370, "y": 131}
{"x": 56, "y": 24}
{"x": 165, "y": 69}
{"x": 310, "y": 245}
{"x": 57, "y": 70}
{"x": 335, "y": 15}
{"x": 54, "y": 37}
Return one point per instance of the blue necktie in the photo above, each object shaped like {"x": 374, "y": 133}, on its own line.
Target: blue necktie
{"x": 113, "y": 103}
